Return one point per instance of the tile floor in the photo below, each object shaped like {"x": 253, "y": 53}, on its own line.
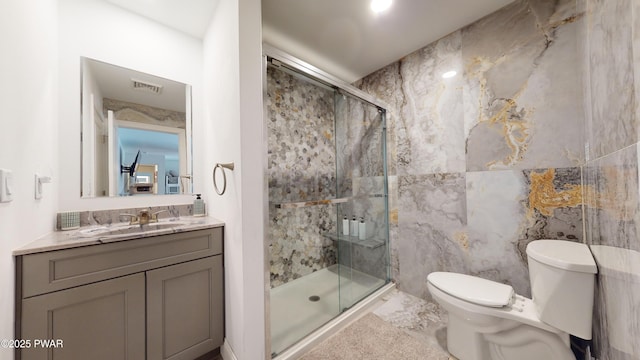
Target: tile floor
{"x": 421, "y": 320}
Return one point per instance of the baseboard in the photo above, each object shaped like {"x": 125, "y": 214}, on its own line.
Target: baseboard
{"x": 227, "y": 352}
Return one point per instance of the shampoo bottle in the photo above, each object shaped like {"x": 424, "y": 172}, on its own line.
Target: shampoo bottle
{"x": 198, "y": 206}
{"x": 362, "y": 229}
{"x": 345, "y": 226}
{"x": 353, "y": 224}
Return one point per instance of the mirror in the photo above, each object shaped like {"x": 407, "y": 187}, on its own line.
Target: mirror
{"x": 136, "y": 132}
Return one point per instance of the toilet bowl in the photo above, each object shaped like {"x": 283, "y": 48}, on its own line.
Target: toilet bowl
{"x": 488, "y": 321}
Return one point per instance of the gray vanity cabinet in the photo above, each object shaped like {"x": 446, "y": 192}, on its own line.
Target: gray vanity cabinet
{"x": 151, "y": 298}
{"x": 181, "y": 323}
{"x": 117, "y": 305}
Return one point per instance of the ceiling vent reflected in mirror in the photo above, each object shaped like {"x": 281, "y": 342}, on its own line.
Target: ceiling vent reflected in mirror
{"x": 146, "y": 86}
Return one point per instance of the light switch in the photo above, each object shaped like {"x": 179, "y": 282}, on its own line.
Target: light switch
{"x": 39, "y": 180}
{"x": 6, "y": 185}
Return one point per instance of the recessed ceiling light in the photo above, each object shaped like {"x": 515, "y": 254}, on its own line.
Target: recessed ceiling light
{"x": 380, "y": 5}
{"x": 449, "y": 74}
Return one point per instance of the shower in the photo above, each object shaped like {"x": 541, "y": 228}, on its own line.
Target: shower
{"x": 328, "y": 233}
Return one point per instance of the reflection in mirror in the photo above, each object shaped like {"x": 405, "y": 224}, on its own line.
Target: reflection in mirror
{"x": 136, "y": 132}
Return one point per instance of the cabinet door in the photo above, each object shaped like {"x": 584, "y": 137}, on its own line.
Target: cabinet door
{"x": 185, "y": 312}
{"x": 104, "y": 320}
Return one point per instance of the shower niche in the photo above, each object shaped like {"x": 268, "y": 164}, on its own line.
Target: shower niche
{"x": 326, "y": 162}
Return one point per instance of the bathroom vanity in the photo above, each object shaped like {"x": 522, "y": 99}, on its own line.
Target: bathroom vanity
{"x": 155, "y": 295}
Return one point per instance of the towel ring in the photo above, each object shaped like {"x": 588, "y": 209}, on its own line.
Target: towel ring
{"x": 229, "y": 166}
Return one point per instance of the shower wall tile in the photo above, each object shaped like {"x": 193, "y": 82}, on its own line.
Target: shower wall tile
{"x": 368, "y": 260}
{"x": 386, "y": 86}
{"x": 301, "y": 139}
{"x": 613, "y": 228}
{"x": 395, "y": 242}
{"x": 369, "y": 203}
{"x": 322, "y": 145}
{"x": 298, "y": 246}
{"x": 610, "y": 58}
{"x": 358, "y": 142}
{"x": 301, "y": 167}
{"x": 432, "y": 219}
{"x": 522, "y": 90}
{"x": 360, "y": 172}
{"x": 392, "y": 182}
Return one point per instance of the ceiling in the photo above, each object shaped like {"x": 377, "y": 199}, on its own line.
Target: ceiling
{"x": 342, "y": 37}
{"x": 189, "y": 16}
{"x": 346, "y": 39}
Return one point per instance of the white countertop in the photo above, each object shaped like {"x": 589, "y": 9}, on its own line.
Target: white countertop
{"x": 59, "y": 240}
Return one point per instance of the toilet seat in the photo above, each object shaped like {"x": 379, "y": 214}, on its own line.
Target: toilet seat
{"x": 520, "y": 309}
{"x": 473, "y": 289}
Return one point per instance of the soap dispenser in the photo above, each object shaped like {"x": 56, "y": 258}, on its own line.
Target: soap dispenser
{"x": 198, "y": 206}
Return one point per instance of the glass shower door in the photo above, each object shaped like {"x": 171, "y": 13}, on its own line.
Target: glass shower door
{"x": 302, "y": 212}
{"x": 361, "y": 177}
{"x": 325, "y": 161}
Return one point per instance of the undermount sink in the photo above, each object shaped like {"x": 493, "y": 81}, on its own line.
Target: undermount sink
{"x": 120, "y": 229}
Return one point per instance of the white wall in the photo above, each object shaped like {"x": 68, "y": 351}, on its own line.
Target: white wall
{"x": 232, "y": 131}
{"x": 105, "y": 32}
{"x": 40, "y": 102}
{"x": 28, "y": 118}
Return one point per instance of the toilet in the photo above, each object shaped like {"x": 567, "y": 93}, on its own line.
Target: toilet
{"x": 488, "y": 320}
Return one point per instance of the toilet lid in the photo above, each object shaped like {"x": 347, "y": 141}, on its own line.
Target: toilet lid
{"x": 472, "y": 289}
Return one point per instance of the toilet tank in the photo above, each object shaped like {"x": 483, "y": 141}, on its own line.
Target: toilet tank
{"x": 562, "y": 275}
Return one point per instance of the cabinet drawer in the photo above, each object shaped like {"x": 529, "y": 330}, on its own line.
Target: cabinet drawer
{"x": 57, "y": 270}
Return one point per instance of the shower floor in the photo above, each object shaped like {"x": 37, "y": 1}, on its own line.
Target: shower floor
{"x": 304, "y": 304}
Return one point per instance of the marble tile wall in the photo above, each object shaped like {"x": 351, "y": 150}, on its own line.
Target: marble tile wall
{"x": 144, "y": 114}
{"x": 107, "y": 217}
{"x": 484, "y": 162}
{"x": 301, "y": 167}
{"x": 613, "y": 227}
{"x": 489, "y": 159}
{"x": 611, "y": 49}
{"x": 323, "y": 145}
